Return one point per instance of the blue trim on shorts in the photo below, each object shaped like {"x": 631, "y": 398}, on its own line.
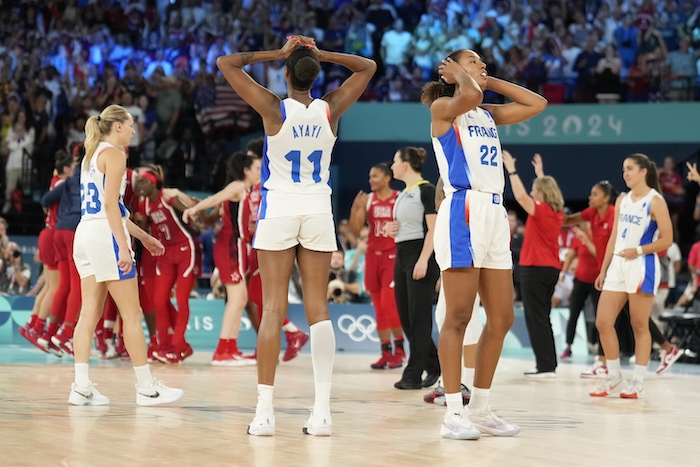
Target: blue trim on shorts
{"x": 649, "y": 275}
{"x": 649, "y": 262}
{"x": 461, "y": 251}
{"x": 122, "y": 276}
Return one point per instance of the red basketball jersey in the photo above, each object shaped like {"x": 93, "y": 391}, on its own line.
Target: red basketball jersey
{"x": 250, "y": 206}
{"x": 166, "y": 223}
{"x": 379, "y": 212}
{"x": 131, "y": 201}
{"x": 52, "y": 211}
{"x": 233, "y": 224}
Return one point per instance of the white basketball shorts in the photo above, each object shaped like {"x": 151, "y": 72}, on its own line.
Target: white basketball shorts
{"x": 638, "y": 275}
{"x": 472, "y": 231}
{"x": 315, "y": 232}
{"x": 95, "y": 251}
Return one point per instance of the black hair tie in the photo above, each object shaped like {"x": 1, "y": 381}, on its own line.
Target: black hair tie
{"x": 99, "y": 118}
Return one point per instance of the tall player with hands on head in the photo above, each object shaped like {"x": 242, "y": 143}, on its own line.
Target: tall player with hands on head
{"x": 295, "y": 217}
{"x": 103, "y": 257}
{"x": 472, "y": 237}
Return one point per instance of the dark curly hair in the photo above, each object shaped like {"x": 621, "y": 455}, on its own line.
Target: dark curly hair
{"x": 436, "y": 89}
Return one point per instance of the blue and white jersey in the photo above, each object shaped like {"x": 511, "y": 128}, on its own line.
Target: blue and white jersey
{"x": 92, "y": 189}
{"x": 469, "y": 155}
{"x": 634, "y": 224}
{"x": 295, "y": 172}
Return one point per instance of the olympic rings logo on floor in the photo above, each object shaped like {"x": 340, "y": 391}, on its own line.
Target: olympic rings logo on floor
{"x": 360, "y": 328}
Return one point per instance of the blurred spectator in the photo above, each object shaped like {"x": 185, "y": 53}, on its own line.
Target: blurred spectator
{"x": 18, "y": 143}
{"x": 342, "y": 284}
{"x": 681, "y": 72}
{"x": 4, "y": 239}
{"x": 355, "y": 262}
{"x": 346, "y": 239}
{"x": 672, "y": 190}
{"x": 396, "y": 43}
{"x": 607, "y": 77}
{"x": 627, "y": 40}
{"x": 638, "y": 80}
{"x": 585, "y": 65}
{"x": 15, "y": 274}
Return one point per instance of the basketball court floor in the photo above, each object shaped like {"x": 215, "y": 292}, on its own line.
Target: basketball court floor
{"x": 373, "y": 423}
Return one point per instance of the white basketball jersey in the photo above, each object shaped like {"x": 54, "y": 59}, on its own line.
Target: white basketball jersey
{"x": 469, "y": 155}
{"x": 634, "y": 224}
{"x": 295, "y": 172}
{"x": 92, "y": 189}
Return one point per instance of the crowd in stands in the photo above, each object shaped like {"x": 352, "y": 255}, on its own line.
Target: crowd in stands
{"x": 62, "y": 61}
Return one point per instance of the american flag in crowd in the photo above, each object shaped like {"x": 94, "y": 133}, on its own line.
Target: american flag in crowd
{"x": 220, "y": 108}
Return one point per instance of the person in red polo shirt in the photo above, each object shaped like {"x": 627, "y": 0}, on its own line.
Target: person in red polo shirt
{"x": 539, "y": 259}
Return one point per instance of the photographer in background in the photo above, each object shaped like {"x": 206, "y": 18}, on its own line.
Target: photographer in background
{"x": 342, "y": 284}
{"x": 15, "y": 272}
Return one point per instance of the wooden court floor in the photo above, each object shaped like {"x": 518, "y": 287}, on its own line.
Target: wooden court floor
{"x": 373, "y": 423}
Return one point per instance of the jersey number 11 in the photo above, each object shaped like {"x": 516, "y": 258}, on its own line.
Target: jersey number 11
{"x": 295, "y": 158}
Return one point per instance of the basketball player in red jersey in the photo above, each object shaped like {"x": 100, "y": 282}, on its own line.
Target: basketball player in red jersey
{"x": 181, "y": 266}
{"x": 42, "y": 305}
{"x": 377, "y": 209}
{"x": 296, "y": 339}
{"x": 230, "y": 252}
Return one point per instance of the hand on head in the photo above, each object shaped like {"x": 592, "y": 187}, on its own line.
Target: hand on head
{"x": 449, "y": 70}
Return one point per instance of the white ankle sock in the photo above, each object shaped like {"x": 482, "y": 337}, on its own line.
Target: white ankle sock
{"x": 143, "y": 376}
{"x": 289, "y": 327}
{"x": 613, "y": 368}
{"x": 468, "y": 377}
{"x": 454, "y": 402}
{"x": 82, "y": 379}
{"x": 639, "y": 371}
{"x": 264, "y": 399}
{"x": 322, "y": 356}
{"x": 479, "y": 401}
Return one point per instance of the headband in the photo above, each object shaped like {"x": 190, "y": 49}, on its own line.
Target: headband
{"x": 150, "y": 177}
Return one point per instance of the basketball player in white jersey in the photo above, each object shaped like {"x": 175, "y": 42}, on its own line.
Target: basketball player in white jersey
{"x": 472, "y": 237}
{"x": 471, "y": 335}
{"x": 630, "y": 270}
{"x": 295, "y": 217}
{"x": 103, "y": 257}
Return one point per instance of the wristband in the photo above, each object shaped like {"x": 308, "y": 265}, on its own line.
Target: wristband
{"x": 639, "y": 251}
{"x": 513, "y": 173}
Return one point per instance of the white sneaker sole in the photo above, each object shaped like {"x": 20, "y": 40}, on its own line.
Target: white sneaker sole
{"x": 317, "y": 430}
{"x": 494, "y": 432}
{"x": 79, "y": 400}
{"x": 171, "y": 396}
{"x": 261, "y": 429}
{"x": 450, "y": 433}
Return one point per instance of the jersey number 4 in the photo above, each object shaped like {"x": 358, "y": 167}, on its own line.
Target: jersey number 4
{"x": 89, "y": 199}
{"x": 485, "y": 152}
{"x": 295, "y": 158}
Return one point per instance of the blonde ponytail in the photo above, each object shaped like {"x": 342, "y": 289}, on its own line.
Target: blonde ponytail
{"x": 92, "y": 139}
{"x": 96, "y": 128}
